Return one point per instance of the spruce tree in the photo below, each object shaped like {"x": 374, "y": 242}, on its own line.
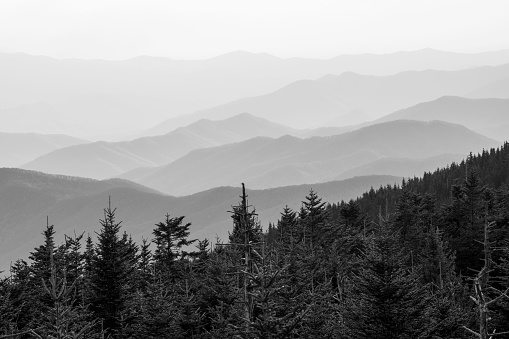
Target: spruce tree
{"x": 170, "y": 236}
{"x": 464, "y": 218}
{"x": 385, "y": 301}
{"x": 313, "y": 219}
{"x": 287, "y": 228}
{"x": 62, "y": 319}
{"x": 112, "y": 269}
{"x": 40, "y": 257}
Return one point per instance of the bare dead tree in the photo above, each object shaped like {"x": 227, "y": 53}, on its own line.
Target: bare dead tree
{"x": 482, "y": 287}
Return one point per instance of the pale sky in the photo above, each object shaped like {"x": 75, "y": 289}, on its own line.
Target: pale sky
{"x": 198, "y": 29}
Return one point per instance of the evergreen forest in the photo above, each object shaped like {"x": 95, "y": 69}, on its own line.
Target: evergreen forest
{"x": 425, "y": 259}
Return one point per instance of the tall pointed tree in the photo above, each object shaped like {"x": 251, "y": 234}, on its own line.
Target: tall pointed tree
{"x": 112, "y": 267}
{"x": 314, "y": 218}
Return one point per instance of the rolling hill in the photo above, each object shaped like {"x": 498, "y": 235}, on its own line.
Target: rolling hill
{"x": 264, "y": 162}
{"x": 102, "y": 160}
{"x": 76, "y": 205}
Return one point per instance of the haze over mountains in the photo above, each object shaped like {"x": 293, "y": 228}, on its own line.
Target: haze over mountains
{"x": 76, "y": 204}
{"x": 264, "y": 162}
{"x": 350, "y": 98}
{"x": 489, "y": 117}
{"x": 106, "y": 99}
{"x": 18, "y": 148}
{"x": 101, "y": 160}
{"x": 239, "y": 117}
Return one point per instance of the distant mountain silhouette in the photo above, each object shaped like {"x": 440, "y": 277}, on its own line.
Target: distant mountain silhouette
{"x": 486, "y": 116}
{"x": 102, "y": 160}
{"x": 138, "y": 93}
{"x": 76, "y": 205}
{"x": 265, "y": 162}
{"x": 18, "y": 148}
{"x": 350, "y": 98}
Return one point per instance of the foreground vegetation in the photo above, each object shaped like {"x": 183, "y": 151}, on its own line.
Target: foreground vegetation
{"x": 429, "y": 259}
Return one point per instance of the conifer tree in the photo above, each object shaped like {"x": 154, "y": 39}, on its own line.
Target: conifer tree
{"x": 73, "y": 261}
{"x": 272, "y": 318}
{"x": 23, "y": 297}
{"x": 112, "y": 269}
{"x": 351, "y": 214}
{"x": 9, "y": 311}
{"x": 88, "y": 270}
{"x": 313, "y": 219}
{"x": 385, "y": 301}
{"x": 41, "y": 256}
{"x": 170, "y": 236}
{"x": 288, "y": 228}
{"x": 144, "y": 273}
{"x": 471, "y": 204}
{"x": 62, "y": 320}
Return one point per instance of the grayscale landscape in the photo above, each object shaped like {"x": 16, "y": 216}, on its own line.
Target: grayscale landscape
{"x": 254, "y": 170}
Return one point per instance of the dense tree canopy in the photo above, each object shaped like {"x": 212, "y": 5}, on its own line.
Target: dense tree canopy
{"x": 405, "y": 261}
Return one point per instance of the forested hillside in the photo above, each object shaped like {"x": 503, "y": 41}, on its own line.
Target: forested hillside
{"x": 427, "y": 259}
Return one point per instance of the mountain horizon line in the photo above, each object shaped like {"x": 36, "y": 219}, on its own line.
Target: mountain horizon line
{"x": 239, "y": 52}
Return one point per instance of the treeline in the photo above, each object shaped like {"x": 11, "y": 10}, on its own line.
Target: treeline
{"x": 429, "y": 259}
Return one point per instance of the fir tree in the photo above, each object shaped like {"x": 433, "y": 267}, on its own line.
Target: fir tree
{"x": 41, "y": 256}
{"x": 385, "y": 302}
{"x": 62, "y": 320}
{"x": 112, "y": 268}
{"x": 313, "y": 219}
{"x": 170, "y": 236}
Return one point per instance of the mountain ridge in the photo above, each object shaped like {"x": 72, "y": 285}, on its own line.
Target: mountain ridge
{"x": 102, "y": 159}
{"x": 317, "y": 157}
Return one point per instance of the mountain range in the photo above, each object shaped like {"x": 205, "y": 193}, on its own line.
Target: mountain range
{"x": 265, "y": 162}
{"x": 101, "y": 160}
{"x": 351, "y": 98}
{"x": 487, "y": 116}
{"x": 46, "y": 95}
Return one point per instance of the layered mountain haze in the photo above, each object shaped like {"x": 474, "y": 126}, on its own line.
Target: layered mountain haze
{"x": 351, "y": 98}
{"x": 91, "y": 116}
{"x": 265, "y": 162}
{"x": 114, "y": 99}
{"x": 76, "y": 205}
{"x": 102, "y": 160}
{"x": 18, "y": 148}
{"x": 486, "y": 116}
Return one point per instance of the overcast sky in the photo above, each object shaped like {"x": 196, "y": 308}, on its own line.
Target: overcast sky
{"x": 197, "y": 29}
